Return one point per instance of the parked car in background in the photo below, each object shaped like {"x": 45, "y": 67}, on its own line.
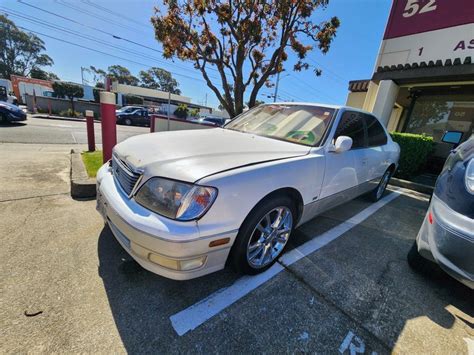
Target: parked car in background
{"x": 184, "y": 202}
{"x": 132, "y": 115}
{"x": 7, "y": 96}
{"x": 11, "y": 113}
{"x": 446, "y": 236}
{"x": 212, "y": 120}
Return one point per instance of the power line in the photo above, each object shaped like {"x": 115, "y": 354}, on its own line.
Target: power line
{"x": 88, "y": 37}
{"x": 336, "y": 76}
{"x": 90, "y": 27}
{"x": 105, "y": 53}
{"x": 78, "y": 9}
{"x": 106, "y": 10}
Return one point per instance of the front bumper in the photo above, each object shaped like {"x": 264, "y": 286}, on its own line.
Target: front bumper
{"x": 157, "y": 243}
{"x": 448, "y": 241}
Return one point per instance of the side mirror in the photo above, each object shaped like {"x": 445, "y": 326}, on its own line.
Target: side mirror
{"x": 343, "y": 144}
{"x": 452, "y": 137}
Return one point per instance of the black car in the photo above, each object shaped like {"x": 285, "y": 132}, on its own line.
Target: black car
{"x": 11, "y": 113}
{"x": 212, "y": 121}
{"x": 133, "y": 115}
{"x": 446, "y": 236}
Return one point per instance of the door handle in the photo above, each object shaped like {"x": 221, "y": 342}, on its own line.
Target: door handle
{"x": 364, "y": 161}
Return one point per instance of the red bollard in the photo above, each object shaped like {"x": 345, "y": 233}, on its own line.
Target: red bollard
{"x": 152, "y": 123}
{"x": 109, "y": 124}
{"x": 90, "y": 130}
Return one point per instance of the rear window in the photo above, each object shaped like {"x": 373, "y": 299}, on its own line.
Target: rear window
{"x": 376, "y": 134}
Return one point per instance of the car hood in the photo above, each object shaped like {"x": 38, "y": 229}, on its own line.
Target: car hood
{"x": 192, "y": 155}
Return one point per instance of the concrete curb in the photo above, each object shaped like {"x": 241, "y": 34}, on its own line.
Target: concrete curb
{"x": 425, "y": 189}
{"x": 61, "y": 118}
{"x": 82, "y": 186}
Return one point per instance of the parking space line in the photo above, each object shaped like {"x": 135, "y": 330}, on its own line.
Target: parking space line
{"x": 195, "y": 315}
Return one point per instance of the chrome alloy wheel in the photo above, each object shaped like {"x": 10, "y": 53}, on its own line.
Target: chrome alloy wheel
{"x": 383, "y": 184}
{"x": 269, "y": 237}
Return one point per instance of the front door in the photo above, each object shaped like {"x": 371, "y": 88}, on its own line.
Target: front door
{"x": 345, "y": 171}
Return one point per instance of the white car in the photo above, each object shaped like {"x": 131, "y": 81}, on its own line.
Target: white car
{"x": 184, "y": 203}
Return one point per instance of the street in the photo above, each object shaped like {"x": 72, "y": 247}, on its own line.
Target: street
{"x": 51, "y": 131}
{"x": 68, "y": 286}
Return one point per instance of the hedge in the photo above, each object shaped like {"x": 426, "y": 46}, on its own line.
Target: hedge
{"x": 414, "y": 150}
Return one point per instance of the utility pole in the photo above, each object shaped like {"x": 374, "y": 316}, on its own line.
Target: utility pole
{"x": 169, "y": 108}
{"x": 276, "y": 87}
{"x": 205, "y": 104}
{"x": 82, "y": 75}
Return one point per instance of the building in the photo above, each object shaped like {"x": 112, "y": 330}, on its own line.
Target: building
{"x": 155, "y": 98}
{"x": 423, "y": 80}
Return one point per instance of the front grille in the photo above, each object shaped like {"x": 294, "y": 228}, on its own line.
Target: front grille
{"x": 126, "y": 178}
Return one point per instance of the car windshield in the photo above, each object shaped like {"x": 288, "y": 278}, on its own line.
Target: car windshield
{"x": 127, "y": 109}
{"x": 302, "y": 124}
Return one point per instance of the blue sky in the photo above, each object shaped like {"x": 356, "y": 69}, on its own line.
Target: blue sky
{"x": 352, "y": 54}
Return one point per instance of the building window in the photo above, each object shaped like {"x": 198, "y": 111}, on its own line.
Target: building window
{"x": 435, "y": 114}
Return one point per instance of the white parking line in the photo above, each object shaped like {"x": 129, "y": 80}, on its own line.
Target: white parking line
{"x": 195, "y": 315}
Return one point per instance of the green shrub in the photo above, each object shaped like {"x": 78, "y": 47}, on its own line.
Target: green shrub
{"x": 414, "y": 150}
{"x": 182, "y": 111}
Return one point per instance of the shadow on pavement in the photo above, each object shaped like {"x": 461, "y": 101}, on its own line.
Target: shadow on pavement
{"x": 363, "y": 275}
{"x": 142, "y": 302}
{"x": 12, "y": 124}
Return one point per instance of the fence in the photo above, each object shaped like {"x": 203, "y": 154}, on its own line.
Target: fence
{"x": 55, "y": 106}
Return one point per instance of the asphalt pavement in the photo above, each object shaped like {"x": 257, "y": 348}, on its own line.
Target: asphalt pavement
{"x": 53, "y": 131}
{"x": 68, "y": 286}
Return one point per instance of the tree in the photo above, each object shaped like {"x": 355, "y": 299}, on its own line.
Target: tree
{"x": 256, "y": 103}
{"x": 62, "y": 89}
{"x": 194, "y": 112}
{"x": 160, "y": 79}
{"x": 247, "y": 42}
{"x": 20, "y": 52}
{"x": 38, "y": 73}
{"x": 182, "y": 111}
{"x": 115, "y": 73}
{"x": 122, "y": 75}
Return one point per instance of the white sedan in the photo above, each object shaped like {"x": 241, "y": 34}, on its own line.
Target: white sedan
{"x": 184, "y": 203}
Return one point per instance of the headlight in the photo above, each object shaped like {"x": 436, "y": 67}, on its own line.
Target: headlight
{"x": 469, "y": 177}
{"x": 175, "y": 199}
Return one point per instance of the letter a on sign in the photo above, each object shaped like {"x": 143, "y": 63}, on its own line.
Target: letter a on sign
{"x": 461, "y": 45}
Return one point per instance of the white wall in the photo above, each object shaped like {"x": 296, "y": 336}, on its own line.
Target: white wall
{"x": 161, "y": 124}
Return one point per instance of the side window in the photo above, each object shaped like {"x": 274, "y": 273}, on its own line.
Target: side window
{"x": 375, "y": 132}
{"x": 352, "y": 125}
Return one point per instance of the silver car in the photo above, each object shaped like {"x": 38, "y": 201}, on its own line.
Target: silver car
{"x": 446, "y": 236}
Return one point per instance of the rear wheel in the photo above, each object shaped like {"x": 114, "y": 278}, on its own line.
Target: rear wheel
{"x": 263, "y": 236}
{"x": 377, "y": 193}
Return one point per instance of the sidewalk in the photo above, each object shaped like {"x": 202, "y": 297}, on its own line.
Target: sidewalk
{"x": 64, "y": 118}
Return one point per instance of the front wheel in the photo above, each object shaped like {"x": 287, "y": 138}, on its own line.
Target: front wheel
{"x": 263, "y": 235}
{"x": 128, "y": 121}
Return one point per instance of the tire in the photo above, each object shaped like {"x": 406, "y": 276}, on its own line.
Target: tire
{"x": 3, "y": 119}
{"x": 258, "y": 244}
{"x": 419, "y": 263}
{"x": 377, "y": 193}
{"x": 127, "y": 121}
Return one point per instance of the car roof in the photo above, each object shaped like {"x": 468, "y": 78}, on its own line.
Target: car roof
{"x": 335, "y": 107}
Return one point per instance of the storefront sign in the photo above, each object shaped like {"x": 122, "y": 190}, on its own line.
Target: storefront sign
{"x": 428, "y": 30}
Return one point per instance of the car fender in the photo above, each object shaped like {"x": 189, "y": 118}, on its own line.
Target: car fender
{"x": 240, "y": 190}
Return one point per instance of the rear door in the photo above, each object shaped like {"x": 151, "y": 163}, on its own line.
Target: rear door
{"x": 377, "y": 162}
